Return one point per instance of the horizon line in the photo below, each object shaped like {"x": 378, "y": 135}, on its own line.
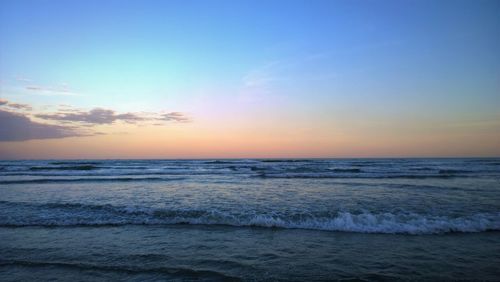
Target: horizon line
{"x": 256, "y": 158}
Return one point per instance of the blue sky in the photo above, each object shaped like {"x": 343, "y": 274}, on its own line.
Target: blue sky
{"x": 371, "y": 66}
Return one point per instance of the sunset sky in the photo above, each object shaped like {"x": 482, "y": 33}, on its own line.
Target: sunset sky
{"x": 227, "y": 79}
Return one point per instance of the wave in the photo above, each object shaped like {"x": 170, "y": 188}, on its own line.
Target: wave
{"x": 495, "y": 161}
{"x": 380, "y": 163}
{"x": 89, "y": 179}
{"x": 74, "y": 167}
{"x": 173, "y": 272}
{"x": 220, "y": 162}
{"x": 173, "y": 172}
{"x": 287, "y": 161}
{"x": 422, "y": 168}
{"x": 361, "y": 175}
{"x": 304, "y": 169}
{"x": 351, "y": 170}
{"x": 250, "y": 171}
{"x": 453, "y": 171}
{"x": 68, "y": 214}
{"x": 75, "y": 163}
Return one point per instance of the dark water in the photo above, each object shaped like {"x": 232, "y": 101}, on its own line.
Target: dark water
{"x": 252, "y": 220}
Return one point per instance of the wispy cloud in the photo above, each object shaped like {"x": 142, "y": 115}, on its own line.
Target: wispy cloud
{"x": 18, "y": 127}
{"x": 94, "y": 116}
{"x": 23, "y": 79}
{"x": 32, "y": 86}
{"x": 261, "y": 76}
{"x": 99, "y": 116}
{"x": 62, "y": 89}
{"x": 20, "y": 106}
{"x": 283, "y": 71}
{"x": 176, "y": 116}
{"x": 16, "y": 106}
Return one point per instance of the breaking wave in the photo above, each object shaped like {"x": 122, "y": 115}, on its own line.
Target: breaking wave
{"x": 67, "y": 214}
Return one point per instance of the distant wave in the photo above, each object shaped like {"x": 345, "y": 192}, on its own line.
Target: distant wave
{"x": 220, "y": 162}
{"x": 76, "y": 163}
{"x": 88, "y": 179}
{"x": 360, "y": 175}
{"x": 74, "y": 167}
{"x": 453, "y": 171}
{"x": 263, "y": 168}
{"x": 118, "y": 173}
{"x": 287, "y": 161}
{"x": 371, "y": 164}
{"x": 257, "y": 172}
{"x": 68, "y": 214}
{"x": 493, "y": 161}
{"x": 351, "y": 170}
{"x": 422, "y": 168}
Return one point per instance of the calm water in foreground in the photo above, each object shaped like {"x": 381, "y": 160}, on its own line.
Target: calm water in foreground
{"x": 251, "y": 220}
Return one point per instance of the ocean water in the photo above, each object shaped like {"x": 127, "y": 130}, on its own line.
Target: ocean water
{"x": 250, "y": 219}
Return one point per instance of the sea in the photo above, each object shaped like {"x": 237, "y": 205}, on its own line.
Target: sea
{"x": 250, "y": 220}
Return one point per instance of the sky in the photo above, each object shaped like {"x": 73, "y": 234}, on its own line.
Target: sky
{"x": 249, "y": 79}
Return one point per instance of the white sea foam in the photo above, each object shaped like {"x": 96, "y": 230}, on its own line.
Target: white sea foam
{"x": 404, "y": 223}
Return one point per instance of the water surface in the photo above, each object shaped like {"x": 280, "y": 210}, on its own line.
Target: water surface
{"x": 250, "y": 219}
